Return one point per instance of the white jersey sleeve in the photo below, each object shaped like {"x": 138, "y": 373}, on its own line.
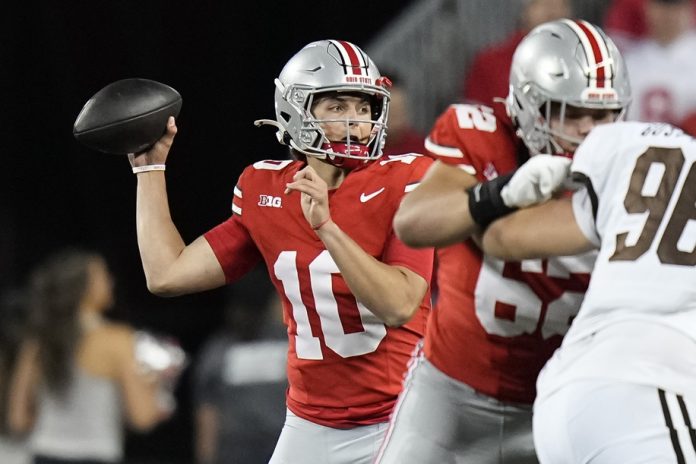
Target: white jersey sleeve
{"x": 584, "y": 213}
{"x": 591, "y": 159}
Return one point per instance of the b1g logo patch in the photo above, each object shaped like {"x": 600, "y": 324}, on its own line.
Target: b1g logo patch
{"x": 271, "y": 201}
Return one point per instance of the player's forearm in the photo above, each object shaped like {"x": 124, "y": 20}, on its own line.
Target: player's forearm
{"x": 539, "y": 231}
{"x": 434, "y": 219}
{"x": 385, "y": 290}
{"x": 437, "y": 212}
{"x": 158, "y": 239}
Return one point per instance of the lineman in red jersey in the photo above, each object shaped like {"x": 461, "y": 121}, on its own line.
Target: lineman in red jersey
{"x": 355, "y": 298}
{"x": 496, "y": 323}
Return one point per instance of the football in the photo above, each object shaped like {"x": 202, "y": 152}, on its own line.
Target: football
{"x": 126, "y": 116}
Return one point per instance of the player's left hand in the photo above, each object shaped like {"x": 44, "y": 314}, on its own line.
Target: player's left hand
{"x": 535, "y": 181}
{"x": 315, "y": 196}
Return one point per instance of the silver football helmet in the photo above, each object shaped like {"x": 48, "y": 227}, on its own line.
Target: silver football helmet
{"x": 329, "y": 66}
{"x": 566, "y": 62}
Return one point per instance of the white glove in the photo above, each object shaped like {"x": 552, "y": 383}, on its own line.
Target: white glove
{"x": 535, "y": 181}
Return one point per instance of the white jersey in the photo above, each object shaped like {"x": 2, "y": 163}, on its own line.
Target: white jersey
{"x": 662, "y": 81}
{"x": 639, "y": 313}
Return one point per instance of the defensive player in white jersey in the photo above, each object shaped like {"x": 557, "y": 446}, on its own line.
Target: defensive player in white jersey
{"x": 496, "y": 322}
{"x": 622, "y": 387}
{"x": 355, "y": 298}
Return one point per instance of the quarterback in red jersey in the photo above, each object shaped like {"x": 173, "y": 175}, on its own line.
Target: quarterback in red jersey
{"x": 496, "y": 323}
{"x": 355, "y": 298}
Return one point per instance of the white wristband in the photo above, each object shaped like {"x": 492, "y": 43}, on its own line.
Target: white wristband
{"x": 149, "y": 167}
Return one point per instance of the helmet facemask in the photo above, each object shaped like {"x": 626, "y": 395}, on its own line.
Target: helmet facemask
{"x": 558, "y": 111}
{"x": 348, "y": 151}
{"x": 544, "y": 135}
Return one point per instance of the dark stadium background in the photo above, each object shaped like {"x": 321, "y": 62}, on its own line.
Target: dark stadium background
{"x": 222, "y": 56}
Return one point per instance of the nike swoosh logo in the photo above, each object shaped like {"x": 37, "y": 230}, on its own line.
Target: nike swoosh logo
{"x": 364, "y": 198}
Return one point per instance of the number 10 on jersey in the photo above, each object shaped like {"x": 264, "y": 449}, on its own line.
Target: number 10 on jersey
{"x": 308, "y": 346}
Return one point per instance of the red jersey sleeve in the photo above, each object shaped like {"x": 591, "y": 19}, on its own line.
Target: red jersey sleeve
{"x": 443, "y": 142}
{"x": 420, "y": 167}
{"x": 231, "y": 242}
{"x": 396, "y": 252}
{"x": 419, "y": 260}
{"x": 474, "y": 138}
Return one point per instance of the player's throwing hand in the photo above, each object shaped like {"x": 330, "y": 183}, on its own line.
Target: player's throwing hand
{"x": 156, "y": 154}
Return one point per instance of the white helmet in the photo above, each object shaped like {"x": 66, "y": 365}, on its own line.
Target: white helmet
{"x": 329, "y": 66}
{"x": 570, "y": 63}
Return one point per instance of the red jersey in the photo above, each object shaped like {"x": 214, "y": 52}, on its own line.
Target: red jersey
{"x": 496, "y": 323}
{"x": 345, "y": 367}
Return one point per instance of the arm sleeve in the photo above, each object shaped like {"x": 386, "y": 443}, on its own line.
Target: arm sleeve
{"x": 596, "y": 152}
{"x": 418, "y": 260}
{"x": 231, "y": 242}
{"x": 591, "y": 163}
{"x": 443, "y": 142}
{"x": 396, "y": 252}
{"x": 472, "y": 138}
{"x": 584, "y": 215}
{"x": 420, "y": 167}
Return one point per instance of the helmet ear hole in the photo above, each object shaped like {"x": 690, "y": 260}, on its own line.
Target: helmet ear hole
{"x": 375, "y": 106}
{"x": 286, "y": 118}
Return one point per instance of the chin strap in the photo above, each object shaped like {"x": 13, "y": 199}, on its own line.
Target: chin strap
{"x": 359, "y": 154}
{"x": 358, "y": 150}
